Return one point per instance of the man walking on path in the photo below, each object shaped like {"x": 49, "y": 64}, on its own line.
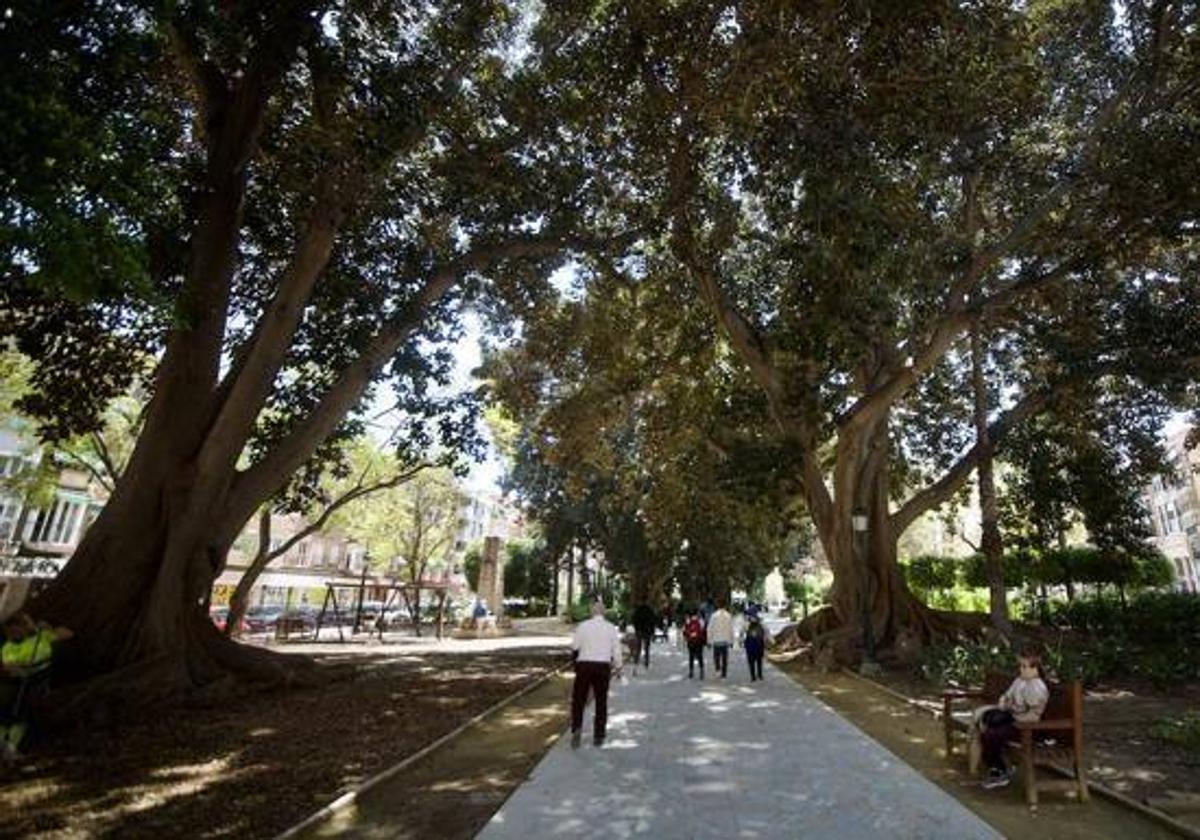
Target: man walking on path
{"x": 597, "y": 650}
{"x": 644, "y": 622}
{"x": 720, "y": 636}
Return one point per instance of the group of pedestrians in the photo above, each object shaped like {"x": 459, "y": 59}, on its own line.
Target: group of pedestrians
{"x": 715, "y": 629}
{"x": 597, "y": 652}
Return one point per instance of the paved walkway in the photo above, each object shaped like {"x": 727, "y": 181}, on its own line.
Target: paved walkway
{"x": 726, "y": 759}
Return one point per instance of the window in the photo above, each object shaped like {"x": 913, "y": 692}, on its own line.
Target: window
{"x": 10, "y": 510}
{"x": 67, "y": 524}
{"x": 10, "y": 465}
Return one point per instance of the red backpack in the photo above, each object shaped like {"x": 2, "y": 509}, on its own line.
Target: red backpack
{"x": 693, "y": 631}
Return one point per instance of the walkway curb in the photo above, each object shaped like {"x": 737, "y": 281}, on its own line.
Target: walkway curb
{"x": 350, "y": 796}
{"x": 1165, "y": 820}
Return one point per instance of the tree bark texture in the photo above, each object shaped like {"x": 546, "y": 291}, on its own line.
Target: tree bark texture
{"x": 861, "y": 484}
{"x": 991, "y": 541}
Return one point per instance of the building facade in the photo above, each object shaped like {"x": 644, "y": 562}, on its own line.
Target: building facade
{"x": 1173, "y": 506}
{"x": 36, "y": 539}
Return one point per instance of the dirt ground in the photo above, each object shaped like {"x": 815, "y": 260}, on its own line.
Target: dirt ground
{"x": 258, "y": 766}
{"x": 1123, "y": 753}
{"x": 916, "y": 737}
{"x": 451, "y": 793}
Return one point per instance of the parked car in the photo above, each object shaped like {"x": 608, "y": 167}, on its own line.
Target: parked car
{"x": 220, "y": 616}
{"x": 262, "y": 619}
{"x": 295, "y": 620}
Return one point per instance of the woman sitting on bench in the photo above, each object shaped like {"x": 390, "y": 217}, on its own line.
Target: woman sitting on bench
{"x": 1024, "y": 701}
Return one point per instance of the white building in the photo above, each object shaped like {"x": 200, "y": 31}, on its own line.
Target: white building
{"x": 1173, "y": 505}
{"x": 36, "y": 541}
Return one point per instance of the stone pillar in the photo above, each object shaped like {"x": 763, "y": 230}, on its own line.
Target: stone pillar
{"x": 491, "y": 576}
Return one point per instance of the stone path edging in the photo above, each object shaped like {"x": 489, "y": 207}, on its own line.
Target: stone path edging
{"x": 350, "y": 796}
{"x": 1098, "y": 788}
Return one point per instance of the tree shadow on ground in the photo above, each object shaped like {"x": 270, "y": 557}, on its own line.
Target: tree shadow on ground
{"x": 258, "y": 764}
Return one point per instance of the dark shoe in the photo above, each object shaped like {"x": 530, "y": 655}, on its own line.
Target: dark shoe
{"x": 597, "y": 742}
{"x": 576, "y": 740}
{"x": 997, "y": 779}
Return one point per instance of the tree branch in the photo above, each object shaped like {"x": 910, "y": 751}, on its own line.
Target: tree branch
{"x": 337, "y": 504}
{"x": 945, "y": 487}
{"x": 264, "y": 478}
{"x": 89, "y": 467}
{"x": 250, "y": 380}
{"x": 101, "y": 450}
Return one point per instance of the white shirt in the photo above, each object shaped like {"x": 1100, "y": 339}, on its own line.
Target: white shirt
{"x": 598, "y": 641}
{"x": 1026, "y": 699}
{"x": 720, "y": 628}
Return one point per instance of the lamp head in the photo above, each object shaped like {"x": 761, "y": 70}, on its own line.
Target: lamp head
{"x": 858, "y": 519}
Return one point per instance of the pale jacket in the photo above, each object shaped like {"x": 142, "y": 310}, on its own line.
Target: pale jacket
{"x": 720, "y": 628}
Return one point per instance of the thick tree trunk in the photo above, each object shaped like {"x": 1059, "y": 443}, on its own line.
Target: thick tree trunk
{"x": 137, "y": 640}
{"x": 861, "y": 484}
{"x": 991, "y": 542}
{"x": 555, "y": 568}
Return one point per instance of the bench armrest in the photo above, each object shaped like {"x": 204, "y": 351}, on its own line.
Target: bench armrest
{"x": 1043, "y": 725}
{"x": 962, "y": 693}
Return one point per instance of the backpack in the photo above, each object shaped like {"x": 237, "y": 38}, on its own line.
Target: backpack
{"x": 693, "y": 631}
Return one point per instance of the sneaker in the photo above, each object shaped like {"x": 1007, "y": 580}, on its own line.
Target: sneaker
{"x": 576, "y": 740}
{"x": 997, "y": 779}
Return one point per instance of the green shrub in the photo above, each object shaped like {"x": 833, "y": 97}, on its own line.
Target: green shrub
{"x": 1182, "y": 731}
{"x": 582, "y": 611}
{"x": 965, "y": 663}
{"x": 1152, "y": 618}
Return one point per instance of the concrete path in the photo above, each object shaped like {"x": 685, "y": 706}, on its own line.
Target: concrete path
{"x": 726, "y": 759}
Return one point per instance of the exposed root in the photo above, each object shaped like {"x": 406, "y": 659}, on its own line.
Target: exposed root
{"x": 211, "y": 670}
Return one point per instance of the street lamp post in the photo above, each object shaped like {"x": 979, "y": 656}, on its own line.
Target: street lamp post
{"x": 860, "y": 521}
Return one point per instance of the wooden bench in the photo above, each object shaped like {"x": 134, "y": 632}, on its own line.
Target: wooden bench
{"x": 1055, "y": 739}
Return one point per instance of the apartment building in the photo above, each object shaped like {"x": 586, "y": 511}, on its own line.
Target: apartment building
{"x": 1173, "y": 505}
{"x": 38, "y": 536}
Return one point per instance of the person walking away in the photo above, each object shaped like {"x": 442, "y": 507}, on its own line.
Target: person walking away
{"x": 1024, "y": 701}
{"x": 720, "y": 636}
{"x": 644, "y": 622}
{"x": 597, "y": 651}
{"x": 694, "y": 637}
{"x": 755, "y": 643}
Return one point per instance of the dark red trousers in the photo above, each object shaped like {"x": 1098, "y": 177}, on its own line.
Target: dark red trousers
{"x": 594, "y": 677}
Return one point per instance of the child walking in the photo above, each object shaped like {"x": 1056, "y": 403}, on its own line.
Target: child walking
{"x": 694, "y": 637}
{"x": 1023, "y": 702}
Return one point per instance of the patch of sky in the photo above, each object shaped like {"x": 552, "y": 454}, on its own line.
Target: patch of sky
{"x": 384, "y": 418}
{"x": 727, "y": 27}
{"x": 516, "y": 51}
{"x": 568, "y": 282}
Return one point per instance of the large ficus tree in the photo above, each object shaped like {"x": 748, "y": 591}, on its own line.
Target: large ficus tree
{"x": 287, "y": 203}
{"x": 630, "y": 424}
{"x": 850, "y": 189}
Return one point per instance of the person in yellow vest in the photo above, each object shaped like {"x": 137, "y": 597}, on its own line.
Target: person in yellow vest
{"x": 27, "y": 650}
